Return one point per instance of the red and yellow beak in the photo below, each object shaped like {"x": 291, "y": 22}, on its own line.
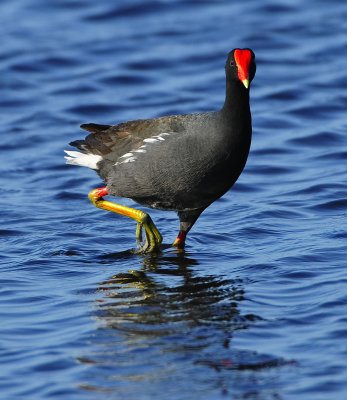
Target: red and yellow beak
{"x": 243, "y": 62}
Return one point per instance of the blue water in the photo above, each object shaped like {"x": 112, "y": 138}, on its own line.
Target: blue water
{"x": 256, "y": 306}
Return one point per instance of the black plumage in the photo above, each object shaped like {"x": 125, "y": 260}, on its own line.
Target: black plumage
{"x": 179, "y": 162}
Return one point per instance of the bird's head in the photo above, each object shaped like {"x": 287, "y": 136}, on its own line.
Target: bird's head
{"x": 241, "y": 66}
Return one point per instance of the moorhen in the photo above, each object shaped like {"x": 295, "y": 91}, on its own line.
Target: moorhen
{"x": 178, "y": 162}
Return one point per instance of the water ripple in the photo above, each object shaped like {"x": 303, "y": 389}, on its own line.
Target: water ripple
{"x": 257, "y": 301}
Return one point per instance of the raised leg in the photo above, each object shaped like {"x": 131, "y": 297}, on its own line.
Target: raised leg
{"x": 144, "y": 221}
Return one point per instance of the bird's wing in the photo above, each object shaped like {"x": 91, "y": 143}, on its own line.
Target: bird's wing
{"x": 113, "y": 142}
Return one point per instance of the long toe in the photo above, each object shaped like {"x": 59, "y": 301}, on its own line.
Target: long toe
{"x": 157, "y": 235}
{"x": 153, "y": 237}
{"x": 139, "y": 233}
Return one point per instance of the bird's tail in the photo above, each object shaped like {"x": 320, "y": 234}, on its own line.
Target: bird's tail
{"x": 82, "y": 159}
{"x": 90, "y": 149}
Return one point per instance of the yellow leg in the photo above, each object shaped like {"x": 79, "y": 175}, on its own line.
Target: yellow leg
{"x": 153, "y": 236}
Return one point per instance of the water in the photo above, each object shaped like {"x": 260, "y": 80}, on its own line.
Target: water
{"x": 256, "y": 306}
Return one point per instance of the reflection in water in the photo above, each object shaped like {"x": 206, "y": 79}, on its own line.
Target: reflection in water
{"x": 165, "y": 294}
{"x": 165, "y": 322}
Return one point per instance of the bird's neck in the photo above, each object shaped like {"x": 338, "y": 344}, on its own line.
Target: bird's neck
{"x": 236, "y": 106}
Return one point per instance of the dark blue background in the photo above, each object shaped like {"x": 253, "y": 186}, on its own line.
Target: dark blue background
{"x": 256, "y": 307}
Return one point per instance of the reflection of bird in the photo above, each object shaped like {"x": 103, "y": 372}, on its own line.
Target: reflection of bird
{"x": 179, "y": 162}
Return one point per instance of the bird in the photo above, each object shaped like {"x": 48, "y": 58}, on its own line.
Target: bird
{"x": 179, "y": 163}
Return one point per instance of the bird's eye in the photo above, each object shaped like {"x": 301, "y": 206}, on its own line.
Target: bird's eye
{"x": 232, "y": 63}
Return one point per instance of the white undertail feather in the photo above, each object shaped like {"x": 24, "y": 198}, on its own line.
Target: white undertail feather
{"x": 84, "y": 160}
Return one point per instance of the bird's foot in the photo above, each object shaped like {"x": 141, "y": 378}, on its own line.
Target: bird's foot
{"x": 153, "y": 237}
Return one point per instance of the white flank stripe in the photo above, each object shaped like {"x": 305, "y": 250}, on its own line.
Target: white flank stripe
{"x": 83, "y": 160}
{"x": 151, "y": 140}
{"x": 126, "y": 155}
{"x": 131, "y": 157}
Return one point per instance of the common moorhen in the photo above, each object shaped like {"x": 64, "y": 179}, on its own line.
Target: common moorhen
{"x": 177, "y": 162}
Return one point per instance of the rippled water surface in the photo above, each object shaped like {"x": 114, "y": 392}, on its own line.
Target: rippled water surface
{"x": 256, "y": 306}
